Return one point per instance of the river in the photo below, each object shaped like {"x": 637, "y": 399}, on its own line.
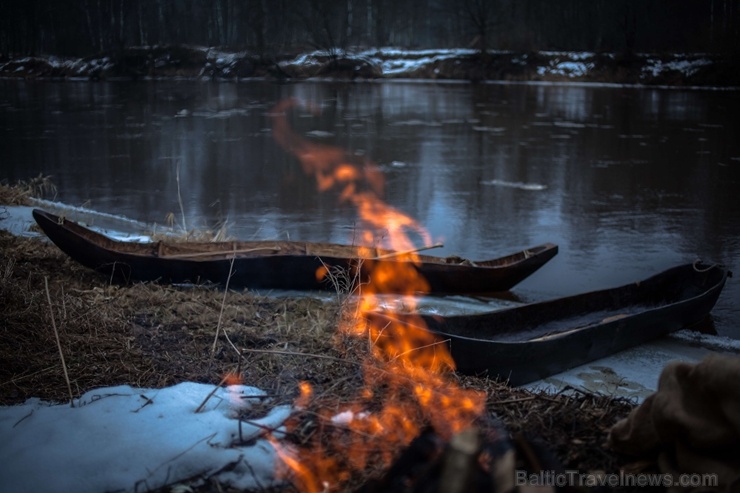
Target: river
{"x": 627, "y": 181}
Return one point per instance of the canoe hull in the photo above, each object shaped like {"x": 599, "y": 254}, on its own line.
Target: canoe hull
{"x": 531, "y": 342}
{"x": 123, "y": 262}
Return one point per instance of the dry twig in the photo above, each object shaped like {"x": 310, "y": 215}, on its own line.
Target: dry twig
{"x": 59, "y": 344}
{"x": 221, "y": 313}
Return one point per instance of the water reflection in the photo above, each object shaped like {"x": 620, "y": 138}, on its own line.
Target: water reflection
{"x": 627, "y": 180}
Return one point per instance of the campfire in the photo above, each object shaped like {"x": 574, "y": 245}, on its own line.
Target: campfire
{"x": 407, "y": 390}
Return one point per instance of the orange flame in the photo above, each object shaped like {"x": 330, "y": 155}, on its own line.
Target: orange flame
{"x": 408, "y": 366}
{"x": 232, "y": 378}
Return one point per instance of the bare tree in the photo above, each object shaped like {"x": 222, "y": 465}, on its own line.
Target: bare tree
{"x": 79, "y": 27}
{"x": 324, "y": 23}
{"x": 480, "y": 15}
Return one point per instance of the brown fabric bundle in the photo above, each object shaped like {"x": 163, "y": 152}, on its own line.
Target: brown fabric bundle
{"x": 691, "y": 425}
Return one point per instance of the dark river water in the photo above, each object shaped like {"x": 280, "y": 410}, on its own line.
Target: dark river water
{"x": 627, "y": 181}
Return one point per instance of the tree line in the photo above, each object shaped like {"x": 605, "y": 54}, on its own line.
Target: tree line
{"x": 270, "y": 27}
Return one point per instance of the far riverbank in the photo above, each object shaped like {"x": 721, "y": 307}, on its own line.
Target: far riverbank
{"x": 681, "y": 70}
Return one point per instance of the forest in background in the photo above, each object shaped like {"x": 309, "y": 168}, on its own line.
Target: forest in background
{"x": 272, "y": 27}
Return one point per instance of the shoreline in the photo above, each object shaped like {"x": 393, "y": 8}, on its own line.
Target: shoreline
{"x": 630, "y": 374}
{"x": 694, "y": 70}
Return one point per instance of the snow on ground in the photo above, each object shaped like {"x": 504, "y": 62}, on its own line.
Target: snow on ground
{"x": 567, "y": 64}
{"x": 18, "y": 220}
{"x": 680, "y": 64}
{"x": 398, "y": 62}
{"x": 79, "y": 65}
{"x": 634, "y": 373}
{"x": 573, "y": 55}
{"x": 568, "y": 69}
{"x": 127, "y": 439}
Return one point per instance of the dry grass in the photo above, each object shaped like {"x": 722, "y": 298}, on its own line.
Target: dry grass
{"x": 20, "y": 192}
{"x": 175, "y": 233}
{"x": 147, "y": 335}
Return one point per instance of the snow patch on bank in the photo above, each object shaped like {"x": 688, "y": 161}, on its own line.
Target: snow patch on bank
{"x": 567, "y": 64}
{"x": 387, "y": 62}
{"x": 683, "y": 65}
{"x": 18, "y": 220}
{"x": 129, "y": 439}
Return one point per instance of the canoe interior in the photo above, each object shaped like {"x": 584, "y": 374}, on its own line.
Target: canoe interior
{"x": 561, "y": 317}
{"x": 530, "y": 342}
{"x": 282, "y": 264}
{"x": 209, "y": 251}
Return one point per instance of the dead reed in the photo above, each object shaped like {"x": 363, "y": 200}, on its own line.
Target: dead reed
{"x": 22, "y": 191}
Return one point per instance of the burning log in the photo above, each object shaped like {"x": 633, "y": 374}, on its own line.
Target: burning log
{"x": 479, "y": 459}
{"x": 431, "y": 465}
{"x": 460, "y": 471}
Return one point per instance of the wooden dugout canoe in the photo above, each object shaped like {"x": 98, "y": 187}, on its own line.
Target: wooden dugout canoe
{"x": 274, "y": 264}
{"x": 534, "y": 341}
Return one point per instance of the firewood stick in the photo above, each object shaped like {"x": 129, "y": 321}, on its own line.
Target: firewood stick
{"x": 406, "y": 252}
{"x": 221, "y": 252}
{"x": 459, "y": 463}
